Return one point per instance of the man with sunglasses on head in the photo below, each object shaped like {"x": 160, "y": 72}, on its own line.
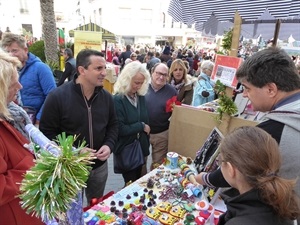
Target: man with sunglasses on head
{"x": 158, "y": 94}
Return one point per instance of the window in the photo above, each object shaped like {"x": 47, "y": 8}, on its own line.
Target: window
{"x": 124, "y": 15}
{"x": 23, "y": 7}
{"x": 146, "y": 16}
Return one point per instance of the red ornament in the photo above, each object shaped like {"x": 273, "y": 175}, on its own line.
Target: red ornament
{"x": 171, "y": 102}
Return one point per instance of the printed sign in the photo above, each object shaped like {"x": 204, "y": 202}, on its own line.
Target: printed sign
{"x": 225, "y": 69}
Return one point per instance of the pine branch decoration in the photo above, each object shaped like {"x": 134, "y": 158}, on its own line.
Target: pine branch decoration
{"x": 49, "y": 187}
{"x": 226, "y": 104}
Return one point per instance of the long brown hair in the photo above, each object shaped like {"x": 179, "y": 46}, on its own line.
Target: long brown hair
{"x": 256, "y": 155}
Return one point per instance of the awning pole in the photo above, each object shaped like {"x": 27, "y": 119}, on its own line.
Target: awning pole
{"x": 236, "y": 34}
{"x": 276, "y": 32}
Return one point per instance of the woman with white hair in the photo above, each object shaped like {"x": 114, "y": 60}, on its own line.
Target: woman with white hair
{"x": 129, "y": 99}
{"x": 204, "y": 90}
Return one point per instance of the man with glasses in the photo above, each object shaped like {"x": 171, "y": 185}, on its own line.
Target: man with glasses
{"x": 159, "y": 93}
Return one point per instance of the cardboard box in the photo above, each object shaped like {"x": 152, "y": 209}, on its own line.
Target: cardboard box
{"x": 190, "y": 127}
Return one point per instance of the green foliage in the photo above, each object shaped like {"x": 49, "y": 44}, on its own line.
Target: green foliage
{"x": 49, "y": 187}
{"x": 227, "y": 40}
{"x": 53, "y": 65}
{"x": 226, "y": 104}
{"x": 38, "y": 49}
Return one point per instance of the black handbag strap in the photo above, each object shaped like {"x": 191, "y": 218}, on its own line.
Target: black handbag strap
{"x": 139, "y": 115}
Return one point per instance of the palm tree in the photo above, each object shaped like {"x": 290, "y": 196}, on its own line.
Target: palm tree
{"x": 49, "y": 30}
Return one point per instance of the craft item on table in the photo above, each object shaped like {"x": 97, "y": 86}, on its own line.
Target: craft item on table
{"x": 153, "y": 213}
{"x": 172, "y": 160}
{"x": 202, "y": 205}
{"x": 190, "y": 218}
{"x": 167, "y": 219}
{"x": 150, "y": 183}
{"x": 187, "y": 172}
{"x": 177, "y": 211}
{"x": 108, "y": 218}
{"x": 164, "y": 206}
{"x": 189, "y": 207}
{"x": 217, "y": 215}
{"x": 195, "y": 190}
{"x": 135, "y": 218}
{"x": 93, "y": 221}
{"x": 149, "y": 221}
{"x": 95, "y": 201}
{"x": 200, "y": 220}
{"x": 206, "y": 213}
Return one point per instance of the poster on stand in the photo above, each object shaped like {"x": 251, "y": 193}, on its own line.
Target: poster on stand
{"x": 87, "y": 40}
{"x": 225, "y": 69}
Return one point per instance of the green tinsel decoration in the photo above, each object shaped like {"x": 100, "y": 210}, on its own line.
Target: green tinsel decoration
{"x": 226, "y": 104}
{"x": 49, "y": 187}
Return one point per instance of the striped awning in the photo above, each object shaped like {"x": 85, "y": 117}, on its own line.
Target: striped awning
{"x": 213, "y": 17}
{"x": 106, "y": 35}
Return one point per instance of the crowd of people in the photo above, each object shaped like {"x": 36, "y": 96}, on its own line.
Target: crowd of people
{"x": 109, "y": 122}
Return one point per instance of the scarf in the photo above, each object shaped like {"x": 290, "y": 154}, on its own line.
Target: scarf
{"x": 20, "y": 118}
{"x": 177, "y": 86}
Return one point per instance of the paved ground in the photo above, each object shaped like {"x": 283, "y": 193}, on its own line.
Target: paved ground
{"x": 115, "y": 182}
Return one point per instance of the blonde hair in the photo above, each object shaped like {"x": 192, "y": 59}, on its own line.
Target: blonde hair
{"x": 8, "y": 65}
{"x": 175, "y": 63}
{"x": 261, "y": 168}
{"x": 122, "y": 86}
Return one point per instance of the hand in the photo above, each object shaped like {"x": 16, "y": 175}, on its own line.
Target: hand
{"x": 37, "y": 123}
{"x": 91, "y": 151}
{"x": 103, "y": 153}
{"x": 147, "y": 129}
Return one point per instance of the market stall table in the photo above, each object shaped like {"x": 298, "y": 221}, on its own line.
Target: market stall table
{"x": 163, "y": 196}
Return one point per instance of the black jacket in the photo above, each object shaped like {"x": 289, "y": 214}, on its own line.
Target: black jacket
{"x": 70, "y": 71}
{"x": 248, "y": 209}
{"x": 65, "y": 110}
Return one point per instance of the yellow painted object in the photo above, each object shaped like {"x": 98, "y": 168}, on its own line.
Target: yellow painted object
{"x": 108, "y": 86}
{"x": 61, "y": 63}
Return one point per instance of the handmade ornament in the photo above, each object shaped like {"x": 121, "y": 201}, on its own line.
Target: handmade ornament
{"x": 177, "y": 211}
{"x": 167, "y": 219}
{"x": 153, "y": 213}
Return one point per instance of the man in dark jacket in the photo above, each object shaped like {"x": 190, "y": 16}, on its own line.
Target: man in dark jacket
{"x": 83, "y": 108}
{"x": 70, "y": 67}
{"x": 125, "y": 55}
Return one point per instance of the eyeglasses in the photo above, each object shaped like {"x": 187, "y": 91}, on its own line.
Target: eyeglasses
{"x": 159, "y": 74}
{"x": 133, "y": 56}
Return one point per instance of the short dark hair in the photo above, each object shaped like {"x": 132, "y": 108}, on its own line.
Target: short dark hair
{"x": 150, "y": 54}
{"x": 271, "y": 65}
{"x": 69, "y": 52}
{"x": 83, "y": 57}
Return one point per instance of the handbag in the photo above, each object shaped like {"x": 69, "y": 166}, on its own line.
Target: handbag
{"x": 131, "y": 156}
